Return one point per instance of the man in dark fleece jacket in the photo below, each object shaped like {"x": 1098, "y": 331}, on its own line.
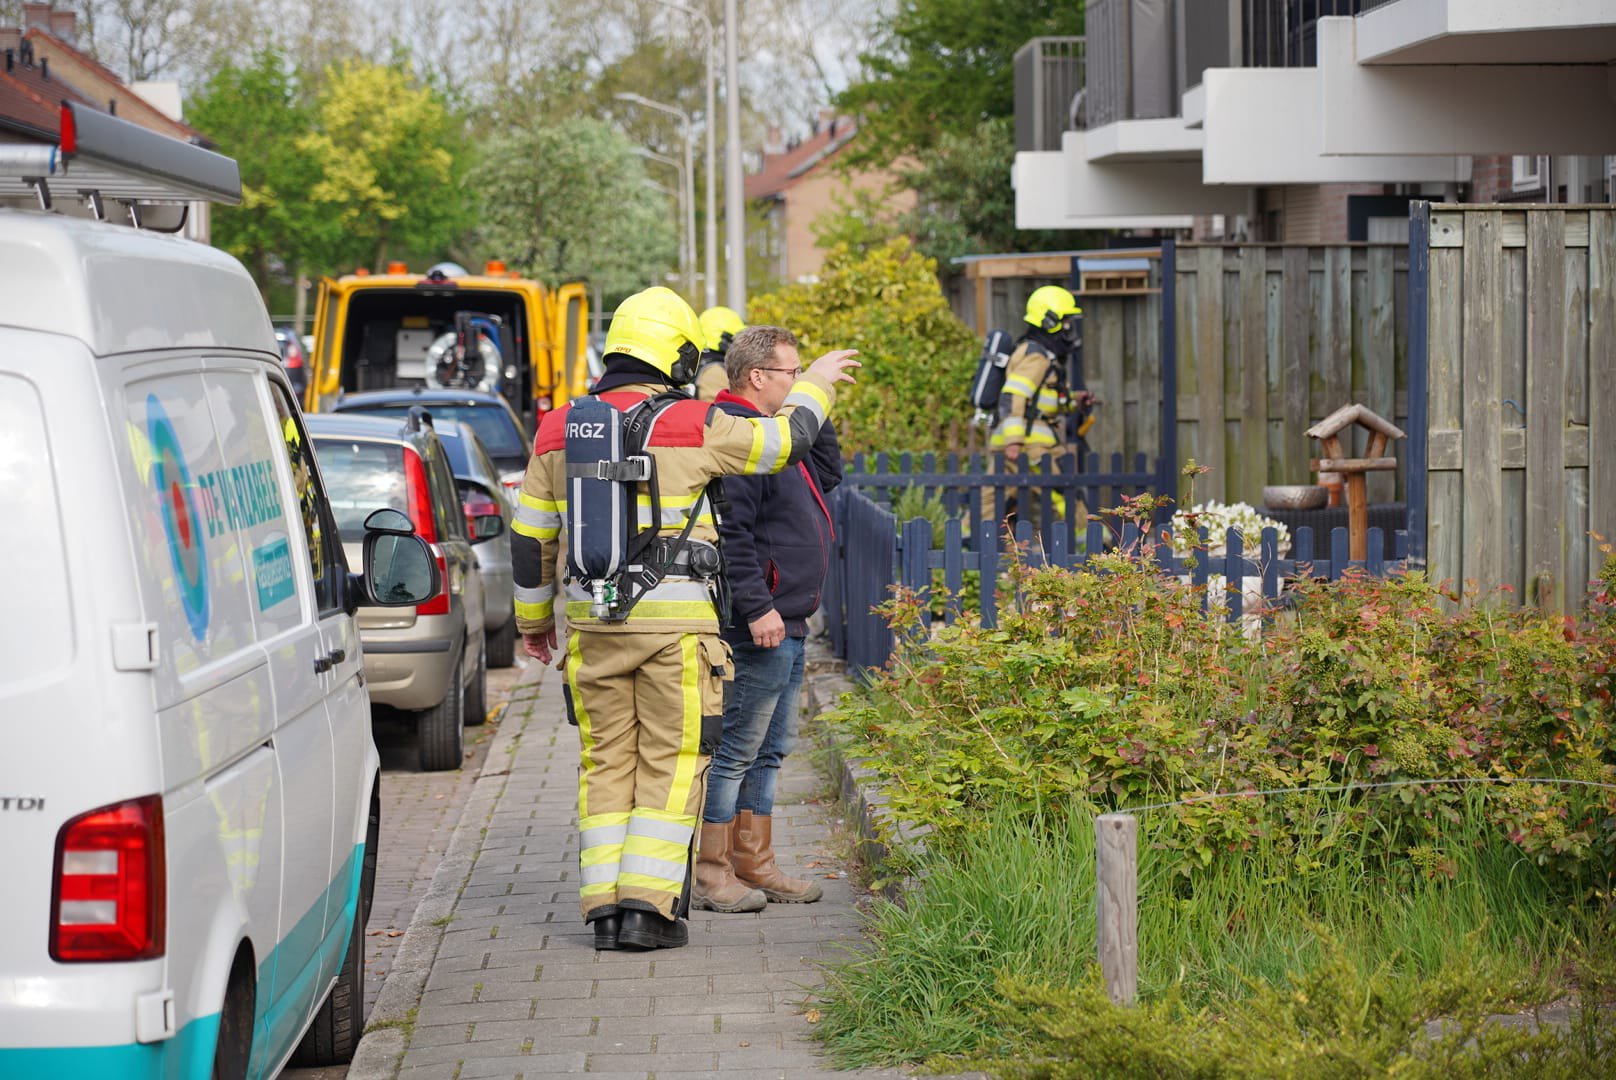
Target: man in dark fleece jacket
{"x": 776, "y": 541}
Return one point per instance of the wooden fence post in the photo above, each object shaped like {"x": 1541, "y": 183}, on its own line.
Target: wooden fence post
{"x": 1116, "y": 893}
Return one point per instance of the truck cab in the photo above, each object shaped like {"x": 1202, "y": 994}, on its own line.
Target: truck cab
{"x": 490, "y": 331}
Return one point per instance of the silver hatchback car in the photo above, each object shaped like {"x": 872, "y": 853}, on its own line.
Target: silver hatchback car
{"x": 432, "y": 658}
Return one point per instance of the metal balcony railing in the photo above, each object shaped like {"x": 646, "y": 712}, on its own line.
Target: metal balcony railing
{"x": 1143, "y": 54}
{"x": 1049, "y": 79}
{"x": 1284, "y": 33}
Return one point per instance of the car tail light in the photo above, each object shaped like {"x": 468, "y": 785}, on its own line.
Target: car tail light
{"x": 108, "y": 901}
{"x": 420, "y": 501}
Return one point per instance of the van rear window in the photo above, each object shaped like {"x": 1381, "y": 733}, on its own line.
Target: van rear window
{"x": 361, "y": 478}
{"x": 33, "y": 549}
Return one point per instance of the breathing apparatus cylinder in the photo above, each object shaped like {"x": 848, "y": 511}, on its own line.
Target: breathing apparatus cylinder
{"x": 600, "y": 498}
{"x": 988, "y": 382}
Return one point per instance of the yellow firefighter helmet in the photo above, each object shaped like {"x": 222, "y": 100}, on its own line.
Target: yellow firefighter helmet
{"x": 658, "y": 328}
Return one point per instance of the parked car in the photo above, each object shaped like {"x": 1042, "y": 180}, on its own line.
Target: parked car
{"x": 431, "y": 660}
{"x": 294, "y": 358}
{"x": 488, "y": 513}
{"x": 191, "y": 810}
{"x": 490, "y": 416}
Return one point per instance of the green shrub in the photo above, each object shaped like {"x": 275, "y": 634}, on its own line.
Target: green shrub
{"x": 918, "y": 358}
{"x": 1108, "y": 687}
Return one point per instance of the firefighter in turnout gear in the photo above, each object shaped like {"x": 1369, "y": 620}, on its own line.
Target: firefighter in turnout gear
{"x": 719, "y": 325}
{"x": 1036, "y": 400}
{"x": 645, "y": 667}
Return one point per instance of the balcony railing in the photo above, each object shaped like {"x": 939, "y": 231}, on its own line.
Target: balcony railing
{"x": 1284, "y": 33}
{"x": 1145, "y": 53}
{"x": 1049, "y": 79}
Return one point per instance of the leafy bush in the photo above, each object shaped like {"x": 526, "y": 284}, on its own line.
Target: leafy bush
{"x": 1327, "y": 864}
{"x": 918, "y": 358}
{"x": 1109, "y": 687}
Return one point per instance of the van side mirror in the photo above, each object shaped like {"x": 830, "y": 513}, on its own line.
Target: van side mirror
{"x": 486, "y": 527}
{"x": 388, "y": 520}
{"x": 400, "y": 569}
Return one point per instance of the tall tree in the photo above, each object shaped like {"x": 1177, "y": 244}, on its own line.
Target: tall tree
{"x": 944, "y": 66}
{"x": 572, "y": 200}
{"x": 257, "y": 114}
{"x": 390, "y": 159}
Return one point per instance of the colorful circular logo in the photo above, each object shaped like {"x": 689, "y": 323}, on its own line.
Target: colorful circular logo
{"x": 172, "y": 481}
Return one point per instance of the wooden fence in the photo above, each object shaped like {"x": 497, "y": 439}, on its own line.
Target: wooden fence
{"x": 1268, "y": 339}
{"x": 1519, "y": 342}
{"x": 1261, "y": 341}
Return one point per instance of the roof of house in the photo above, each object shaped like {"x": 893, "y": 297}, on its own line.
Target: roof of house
{"x": 106, "y": 84}
{"x": 30, "y": 100}
{"x": 782, "y": 171}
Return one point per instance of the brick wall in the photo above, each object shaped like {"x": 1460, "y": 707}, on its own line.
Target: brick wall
{"x": 1333, "y": 208}
{"x": 1491, "y": 178}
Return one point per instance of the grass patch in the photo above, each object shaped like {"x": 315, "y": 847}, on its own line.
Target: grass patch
{"x": 406, "y": 1024}
{"x": 999, "y": 939}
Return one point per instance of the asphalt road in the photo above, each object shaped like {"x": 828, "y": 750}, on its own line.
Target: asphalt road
{"x": 419, "y": 814}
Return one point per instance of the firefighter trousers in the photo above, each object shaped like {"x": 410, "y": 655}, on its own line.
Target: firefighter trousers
{"x": 1037, "y": 455}
{"x": 649, "y": 709}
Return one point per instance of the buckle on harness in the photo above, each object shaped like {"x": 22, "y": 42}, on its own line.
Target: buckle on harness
{"x": 636, "y": 469}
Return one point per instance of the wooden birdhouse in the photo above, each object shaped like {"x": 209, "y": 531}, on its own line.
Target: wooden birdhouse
{"x": 1329, "y": 432}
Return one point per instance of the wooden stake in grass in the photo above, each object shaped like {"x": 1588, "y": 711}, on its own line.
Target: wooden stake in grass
{"x": 1116, "y": 893}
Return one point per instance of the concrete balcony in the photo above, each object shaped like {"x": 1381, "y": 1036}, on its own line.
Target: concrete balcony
{"x": 1487, "y": 32}
{"x": 1405, "y": 92}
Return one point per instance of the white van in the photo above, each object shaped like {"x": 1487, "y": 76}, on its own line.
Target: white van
{"x": 188, "y": 786}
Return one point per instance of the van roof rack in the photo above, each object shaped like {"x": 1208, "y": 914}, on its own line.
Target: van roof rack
{"x": 101, "y": 157}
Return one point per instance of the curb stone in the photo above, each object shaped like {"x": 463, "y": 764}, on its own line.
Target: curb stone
{"x": 381, "y": 1048}
{"x": 859, "y": 787}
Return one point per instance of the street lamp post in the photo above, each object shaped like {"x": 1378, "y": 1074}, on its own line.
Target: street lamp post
{"x": 710, "y": 225}
{"x": 679, "y": 196}
{"x": 734, "y": 224}
{"x": 689, "y": 255}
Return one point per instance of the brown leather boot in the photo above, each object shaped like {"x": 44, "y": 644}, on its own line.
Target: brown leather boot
{"x": 752, "y": 854}
{"x": 716, "y": 888}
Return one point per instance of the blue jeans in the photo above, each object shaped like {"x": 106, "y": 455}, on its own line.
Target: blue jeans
{"x": 760, "y": 728}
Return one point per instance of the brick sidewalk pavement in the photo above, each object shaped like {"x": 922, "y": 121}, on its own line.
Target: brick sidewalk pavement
{"x": 498, "y": 976}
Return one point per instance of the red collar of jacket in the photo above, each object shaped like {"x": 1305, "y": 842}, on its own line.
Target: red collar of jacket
{"x": 735, "y": 399}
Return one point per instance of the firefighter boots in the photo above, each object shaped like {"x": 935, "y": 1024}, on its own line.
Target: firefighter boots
{"x": 649, "y": 930}
{"x": 717, "y": 888}
{"x": 752, "y": 855}
{"x": 606, "y": 930}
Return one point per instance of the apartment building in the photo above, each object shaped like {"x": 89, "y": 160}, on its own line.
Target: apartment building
{"x": 1313, "y": 121}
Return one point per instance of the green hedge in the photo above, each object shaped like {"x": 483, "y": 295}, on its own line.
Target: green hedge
{"x": 918, "y": 357}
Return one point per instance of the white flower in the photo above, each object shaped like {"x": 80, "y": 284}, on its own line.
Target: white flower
{"x": 1217, "y": 519}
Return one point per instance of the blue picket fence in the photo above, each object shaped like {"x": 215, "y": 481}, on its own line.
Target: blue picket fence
{"x": 876, "y": 553}
{"x": 982, "y": 487}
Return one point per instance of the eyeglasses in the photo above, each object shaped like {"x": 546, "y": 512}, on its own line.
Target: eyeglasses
{"x": 792, "y": 371}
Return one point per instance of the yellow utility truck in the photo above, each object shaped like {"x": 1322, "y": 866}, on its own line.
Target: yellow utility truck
{"x": 491, "y": 331}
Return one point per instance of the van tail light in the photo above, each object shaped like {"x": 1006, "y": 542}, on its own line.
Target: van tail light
{"x": 107, "y": 890}
{"x": 420, "y": 501}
